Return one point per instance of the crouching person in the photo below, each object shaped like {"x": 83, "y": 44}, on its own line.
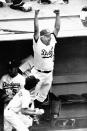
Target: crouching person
{"x": 18, "y": 113}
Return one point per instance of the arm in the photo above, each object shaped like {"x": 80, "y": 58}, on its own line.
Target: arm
{"x": 36, "y": 26}
{"x": 57, "y": 23}
{"x": 36, "y": 111}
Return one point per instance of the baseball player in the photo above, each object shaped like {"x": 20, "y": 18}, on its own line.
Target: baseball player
{"x": 19, "y": 110}
{"x": 12, "y": 81}
{"x": 43, "y": 46}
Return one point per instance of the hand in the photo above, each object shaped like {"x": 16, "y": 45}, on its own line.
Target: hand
{"x": 39, "y": 111}
{"x": 37, "y": 12}
{"x": 56, "y": 11}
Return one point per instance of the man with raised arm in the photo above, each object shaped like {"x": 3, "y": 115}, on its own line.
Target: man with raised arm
{"x": 44, "y": 43}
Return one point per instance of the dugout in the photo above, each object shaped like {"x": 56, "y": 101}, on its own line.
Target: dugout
{"x": 70, "y": 69}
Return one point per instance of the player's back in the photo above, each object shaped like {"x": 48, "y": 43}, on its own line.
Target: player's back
{"x": 16, "y": 103}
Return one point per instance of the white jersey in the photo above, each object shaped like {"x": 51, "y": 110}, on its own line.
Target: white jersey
{"x": 21, "y": 100}
{"x": 7, "y": 81}
{"x": 44, "y": 55}
{"x": 19, "y": 79}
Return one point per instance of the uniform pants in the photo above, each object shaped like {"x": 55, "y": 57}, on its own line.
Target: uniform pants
{"x": 44, "y": 85}
{"x": 17, "y": 120}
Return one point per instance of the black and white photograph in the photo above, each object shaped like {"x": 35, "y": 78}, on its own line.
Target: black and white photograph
{"x": 43, "y": 65}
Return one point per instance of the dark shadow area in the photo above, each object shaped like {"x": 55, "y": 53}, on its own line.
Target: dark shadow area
{"x": 71, "y": 56}
{"x": 1, "y": 115}
{"x": 17, "y": 50}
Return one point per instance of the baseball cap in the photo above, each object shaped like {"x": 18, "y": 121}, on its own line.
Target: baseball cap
{"x": 44, "y": 32}
{"x": 13, "y": 63}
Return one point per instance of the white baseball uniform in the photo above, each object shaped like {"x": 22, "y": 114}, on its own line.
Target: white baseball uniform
{"x": 17, "y": 80}
{"x": 43, "y": 66}
{"x": 13, "y": 115}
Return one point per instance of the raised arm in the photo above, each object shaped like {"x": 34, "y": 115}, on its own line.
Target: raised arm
{"x": 36, "y": 25}
{"x": 57, "y": 22}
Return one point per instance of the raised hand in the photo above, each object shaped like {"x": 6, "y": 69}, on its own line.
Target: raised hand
{"x": 56, "y": 11}
{"x": 37, "y": 12}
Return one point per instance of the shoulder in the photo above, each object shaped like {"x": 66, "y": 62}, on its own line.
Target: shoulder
{"x": 21, "y": 93}
{"x": 4, "y": 76}
{"x": 53, "y": 36}
{"x": 24, "y": 92}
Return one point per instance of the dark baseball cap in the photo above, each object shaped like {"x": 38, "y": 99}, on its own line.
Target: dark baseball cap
{"x": 45, "y": 32}
{"x": 13, "y": 63}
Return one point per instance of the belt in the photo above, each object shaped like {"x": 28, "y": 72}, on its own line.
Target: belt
{"x": 44, "y": 71}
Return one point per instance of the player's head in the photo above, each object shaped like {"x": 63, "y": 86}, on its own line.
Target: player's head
{"x": 31, "y": 82}
{"x": 13, "y": 68}
{"x": 45, "y": 36}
